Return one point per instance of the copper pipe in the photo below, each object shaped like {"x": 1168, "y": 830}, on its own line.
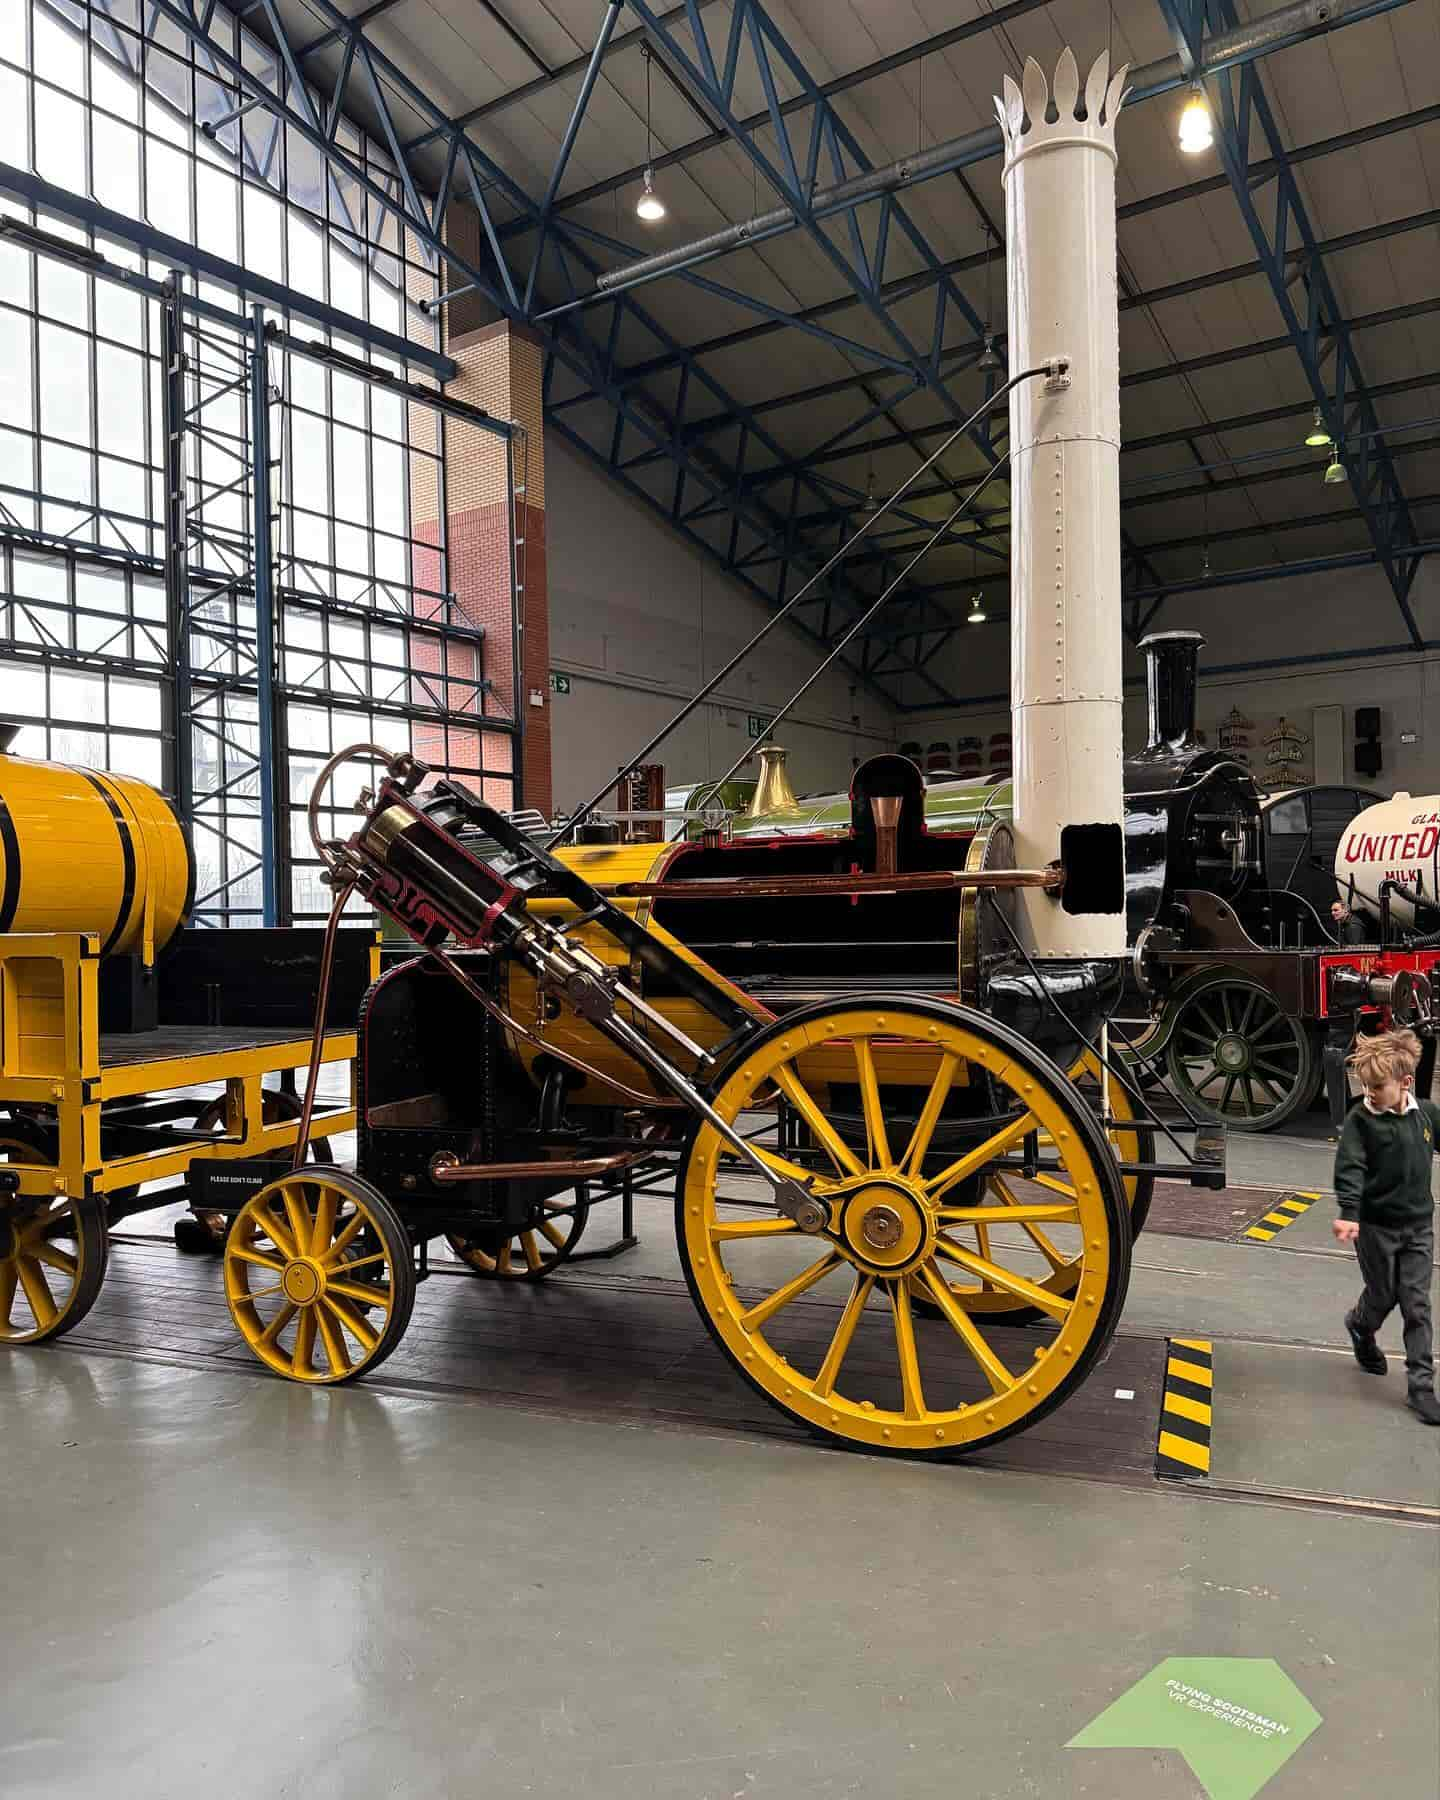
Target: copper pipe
{"x": 445, "y": 1169}
{"x": 783, "y": 887}
{"x": 322, "y": 1001}
{"x": 885, "y": 810}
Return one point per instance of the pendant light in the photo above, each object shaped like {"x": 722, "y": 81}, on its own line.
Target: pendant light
{"x": 1335, "y": 473}
{"x": 1318, "y": 438}
{"x": 977, "y": 610}
{"x": 989, "y": 357}
{"x": 649, "y": 207}
{"x": 1197, "y": 132}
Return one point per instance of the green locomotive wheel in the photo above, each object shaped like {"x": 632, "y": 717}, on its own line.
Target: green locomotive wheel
{"x": 1238, "y": 1059}
{"x": 52, "y": 1259}
{"x": 858, "y": 1371}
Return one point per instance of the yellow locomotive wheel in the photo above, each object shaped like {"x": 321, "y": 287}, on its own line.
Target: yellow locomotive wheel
{"x": 52, "y": 1251}
{"x": 527, "y": 1255}
{"x": 319, "y": 1276}
{"x": 824, "y": 1325}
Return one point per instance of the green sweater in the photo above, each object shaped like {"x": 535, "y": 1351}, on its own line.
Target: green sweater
{"x": 1382, "y": 1168}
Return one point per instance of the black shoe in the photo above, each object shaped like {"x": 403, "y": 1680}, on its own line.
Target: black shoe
{"x": 1368, "y": 1353}
{"x": 1424, "y": 1405}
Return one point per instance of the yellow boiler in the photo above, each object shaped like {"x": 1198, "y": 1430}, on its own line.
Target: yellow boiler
{"x": 85, "y": 851}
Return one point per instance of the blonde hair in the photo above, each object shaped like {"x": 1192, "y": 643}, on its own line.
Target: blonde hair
{"x": 1388, "y": 1056}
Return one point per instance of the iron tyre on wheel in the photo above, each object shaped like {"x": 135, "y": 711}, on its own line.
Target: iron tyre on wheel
{"x": 1238, "y": 1059}
{"x": 856, "y": 1373}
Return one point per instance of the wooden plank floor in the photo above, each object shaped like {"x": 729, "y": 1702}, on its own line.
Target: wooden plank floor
{"x": 603, "y": 1345}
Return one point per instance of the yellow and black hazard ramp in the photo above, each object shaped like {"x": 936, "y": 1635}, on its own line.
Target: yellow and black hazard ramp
{"x": 1182, "y": 1452}
{"x": 1283, "y": 1213}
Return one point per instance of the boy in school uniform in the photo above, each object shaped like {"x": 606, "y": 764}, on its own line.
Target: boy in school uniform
{"x": 1382, "y": 1182}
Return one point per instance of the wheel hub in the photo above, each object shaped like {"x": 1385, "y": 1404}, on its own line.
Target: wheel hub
{"x": 887, "y": 1226}
{"x": 303, "y": 1282}
{"x": 1232, "y": 1053}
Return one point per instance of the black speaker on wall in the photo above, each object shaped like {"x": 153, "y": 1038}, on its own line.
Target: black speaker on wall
{"x": 1367, "y": 740}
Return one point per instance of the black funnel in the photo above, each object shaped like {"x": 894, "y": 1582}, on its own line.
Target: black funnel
{"x": 1171, "y": 659}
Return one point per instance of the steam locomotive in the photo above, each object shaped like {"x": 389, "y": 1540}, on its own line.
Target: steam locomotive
{"x": 1240, "y": 984}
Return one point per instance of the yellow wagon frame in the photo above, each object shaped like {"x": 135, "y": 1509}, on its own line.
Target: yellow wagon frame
{"x": 52, "y": 1056}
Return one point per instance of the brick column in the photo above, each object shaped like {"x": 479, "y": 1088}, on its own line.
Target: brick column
{"x": 500, "y": 370}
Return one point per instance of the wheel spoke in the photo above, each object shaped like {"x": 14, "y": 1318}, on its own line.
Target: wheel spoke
{"x": 1251, "y": 1108}
{"x": 502, "y": 1261}
{"x": 929, "y": 1118}
{"x": 1227, "y": 1008}
{"x": 829, "y": 1370}
{"x": 533, "y": 1259}
{"x": 910, "y": 1384}
{"x": 1277, "y": 1095}
{"x": 362, "y": 1293}
{"x": 37, "y": 1292}
{"x": 1054, "y": 1185}
{"x": 1012, "y": 1212}
{"x": 554, "y": 1234}
{"x": 363, "y": 1262}
{"x": 969, "y": 1333}
{"x": 875, "y": 1131}
{"x": 272, "y": 1331}
{"x": 1252, "y": 1000}
{"x": 725, "y": 1229}
{"x": 333, "y": 1338}
{"x": 348, "y": 1317}
{"x": 57, "y": 1259}
{"x": 821, "y": 1129}
{"x": 731, "y": 1160}
{"x": 1216, "y": 1072}
{"x": 324, "y": 1229}
{"x": 302, "y": 1358}
{"x": 8, "y": 1284}
{"x": 302, "y": 1226}
{"x": 999, "y": 1276}
{"x": 261, "y": 1258}
{"x": 1056, "y": 1258}
{"x": 347, "y": 1235}
{"x": 975, "y": 1159}
{"x": 279, "y": 1235}
{"x": 766, "y": 1309}
{"x": 1227, "y": 1091}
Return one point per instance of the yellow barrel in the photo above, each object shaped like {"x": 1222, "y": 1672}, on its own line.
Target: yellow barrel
{"x": 86, "y": 851}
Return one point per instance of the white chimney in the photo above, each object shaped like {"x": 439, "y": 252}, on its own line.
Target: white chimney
{"x": 1065, "y": 678}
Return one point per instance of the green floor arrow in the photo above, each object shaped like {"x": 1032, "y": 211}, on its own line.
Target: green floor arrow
{"x": 1236, "y": 1720}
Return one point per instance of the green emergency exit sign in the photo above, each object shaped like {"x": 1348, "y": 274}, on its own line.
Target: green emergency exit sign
{"x": 559, "y": 684}
{"x": 757, "y": 725}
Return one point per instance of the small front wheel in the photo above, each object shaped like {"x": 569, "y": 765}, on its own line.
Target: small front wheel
{"x": 319, "y": 1276}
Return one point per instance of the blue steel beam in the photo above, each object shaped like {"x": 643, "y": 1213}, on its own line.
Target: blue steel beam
{"x": 756, "y": 46}
{"x": 1315, "y": 321}
{"x": 471, "y": 177}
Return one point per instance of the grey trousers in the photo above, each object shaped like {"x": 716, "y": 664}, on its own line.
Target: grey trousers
{"x": 1396, "y": 1263}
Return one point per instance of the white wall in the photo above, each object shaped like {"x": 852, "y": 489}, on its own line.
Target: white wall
{"x": 639, "y": 619}
{"x": 1265, "y": 623}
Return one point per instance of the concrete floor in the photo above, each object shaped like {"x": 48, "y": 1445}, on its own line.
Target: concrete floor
{"x": 213, "y": 1580}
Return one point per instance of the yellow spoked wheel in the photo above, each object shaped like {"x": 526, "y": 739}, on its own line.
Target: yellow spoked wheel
{"x": 319, "y": 1276}
{"x": 824, "y": 1325}
{"x": 527, "y": 1255}
{"x": 52, "y": 1250}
